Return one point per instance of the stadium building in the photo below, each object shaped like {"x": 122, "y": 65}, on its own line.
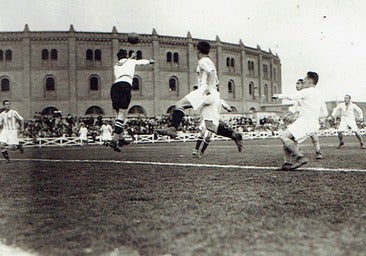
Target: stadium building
{"x": 72, "y": 71}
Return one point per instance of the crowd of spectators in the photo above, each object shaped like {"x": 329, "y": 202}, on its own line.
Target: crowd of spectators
{"x": 57, "y": 126}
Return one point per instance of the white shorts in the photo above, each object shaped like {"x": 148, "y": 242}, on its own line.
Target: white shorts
{"x": 211, "y": 108}
{"x": 345, "y": 125}
{"x": 9, "y": 137}
{"x": 197, "y": 97}
{"x": 303, "y": 128}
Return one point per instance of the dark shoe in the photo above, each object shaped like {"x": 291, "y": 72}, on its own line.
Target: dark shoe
{"x": 113, "y": 144}
{"x": 123, "y": 142}
{"x": 21, "y": 149}
{"x": 341, "y": 144}
{"x": 195, "y": 153}
{"x": 239, "y": 141}
{"x": 318, "y": 155}
{"x": 286, "y": 166}
{"x": 170, "y": 131}
{"x": 362, "y": 146}
{"x": 299, "y": 162}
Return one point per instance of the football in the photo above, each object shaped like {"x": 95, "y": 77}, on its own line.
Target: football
{"x": 133, "y": 38}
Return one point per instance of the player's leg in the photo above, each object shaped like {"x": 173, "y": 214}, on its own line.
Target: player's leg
{"x": 340, "y": 137}
{"x": 206, "y": 142}
{"x": 195, "y": 152}
{"x": 4, "y": 151}
{"x": 360, "y": 139}
{"x": 121, "y": 98}
{"x": 290, "y": 146}
{"x": 176, "y": 118}
{"x": 223, "y": 130}
{"x": 316, "y": 143}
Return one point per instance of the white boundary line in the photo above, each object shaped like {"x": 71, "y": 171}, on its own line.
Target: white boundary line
{"x": 262, "y": 168}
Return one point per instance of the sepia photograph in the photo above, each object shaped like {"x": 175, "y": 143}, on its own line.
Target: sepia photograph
{"x": 182, "y": 128}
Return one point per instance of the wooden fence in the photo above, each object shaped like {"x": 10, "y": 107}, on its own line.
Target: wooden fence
{"x": 150, "y": 138}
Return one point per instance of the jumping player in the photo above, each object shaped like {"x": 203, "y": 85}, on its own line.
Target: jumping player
{"x": 124, "y": 71}
{"x": 9, "y": 120}
{"x": 204, "y": 94}
{"x": 348, "y": 111}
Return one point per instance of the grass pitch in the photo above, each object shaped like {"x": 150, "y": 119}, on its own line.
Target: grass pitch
{"x": 155, "y": 199}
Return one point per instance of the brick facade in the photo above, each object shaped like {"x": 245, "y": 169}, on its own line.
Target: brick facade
{"x": 27, "y": 71}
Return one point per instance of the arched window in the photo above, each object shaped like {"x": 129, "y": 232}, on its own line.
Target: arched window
{"x": 98, "y": 55}
{"x": 176, "y": 57}
{"x": 249, "y": 66}
{"x": 8, "y": 55}
{"x": 93, "y": 83}
{"x": 45, "y": 54}
{"x": 139, "y": 55}
{"x": 232, "y": 62}
{"x": 137, "y": 110}
{"x": 251, "y": 88}
{"x": 89, "y": 54}
{"x": 169, "y": 57}
{"x": 252, "y": 66}
{"x": 228, "y": 62}
{"x": 5, "y": 85}
{"x": 94, "y": 110}
{"x": 135, "y": 84}
{"x": 49, "y": 111}
{"x": 130, "y": 53}
{"x": 266, "y": 91}
{"x": 1, "y": 55}
{"x": 53, "y": 54}
{"x": 173, "y": 84}
{"x": 50, "y": 84}
{"x": 230, "y": 86}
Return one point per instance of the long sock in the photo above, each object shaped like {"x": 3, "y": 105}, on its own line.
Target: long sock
{"x": 293, "y": 148}
{"x": 205, "y": 145}
{"x": 316, "y": 143}
{"x": 199, "y": 142}
{"x": 359, "y": 137}
{"x": 287, "y": 155}
{"x": 226, "y": 131}
{"x": 340, "y": 137}
{"x": 177, "y": 117}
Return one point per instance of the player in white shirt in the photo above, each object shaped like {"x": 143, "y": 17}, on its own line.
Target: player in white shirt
{"x": 124, "y": 71}
{"x": 203, "y": 95}
{"x": 348, "y": 112}
{"x": 106, "y": 133}
{"x": 9, "y": 121}
{"x": 310, "y": 102}
{"x": 293, "y": 114}
{"x": 83, "y": 134}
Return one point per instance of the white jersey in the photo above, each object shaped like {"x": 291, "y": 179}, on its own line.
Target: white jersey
{"x": 106, "y": 132}
{"x": 347, "y": 112}
{"x": 9, "y": 119}
{"x": 83, "y": 133}
{"x": 204, "y": 67}
{"x": 348, "y": 116}
{"x": 124, "y": 70}
{"x": 310, "y": 104}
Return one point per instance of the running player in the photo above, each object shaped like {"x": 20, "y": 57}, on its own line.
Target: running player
{"x": 347, "y": 112}
{"x": 306, "y": 124}
{"x": 124, "y": 72}
{"x": 204, "y": 94}
{"x": 294, "y": 112}
{"x": 10, "y": 120}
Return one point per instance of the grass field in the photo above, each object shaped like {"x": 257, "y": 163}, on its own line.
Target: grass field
{"x": 155, "y": 199}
